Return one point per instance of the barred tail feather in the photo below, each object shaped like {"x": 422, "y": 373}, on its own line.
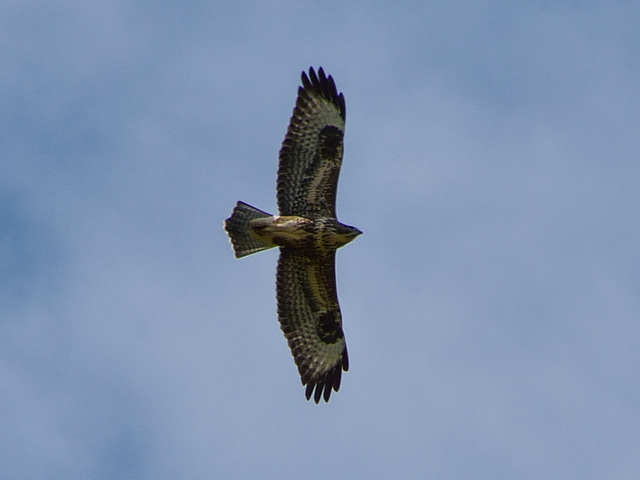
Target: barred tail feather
{"x": 237, "y": 227}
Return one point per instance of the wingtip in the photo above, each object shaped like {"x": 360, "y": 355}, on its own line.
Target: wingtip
{"x": 325, "y": 85}
{"x": 323, "y": 387}
{"x": 318, "y": 390}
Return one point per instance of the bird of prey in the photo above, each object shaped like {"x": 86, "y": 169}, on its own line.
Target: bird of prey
{"x": 308, "y": 234}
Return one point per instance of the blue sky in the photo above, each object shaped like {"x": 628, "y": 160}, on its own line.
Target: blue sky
{"x": 492, "y": 306}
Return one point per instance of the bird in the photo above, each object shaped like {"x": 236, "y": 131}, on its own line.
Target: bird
{"x": 307, "y": 233}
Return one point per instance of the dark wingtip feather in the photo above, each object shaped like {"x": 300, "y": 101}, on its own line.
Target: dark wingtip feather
{"x": 323, "y": 386}
{"x": 318, "y": 394}
{"x": 327, "y": 392}
{"x": 325, "y": 86}
{"x": 345, "y": 361}
{"x": 309, "y": 390}
{"x": 317, "y": 388}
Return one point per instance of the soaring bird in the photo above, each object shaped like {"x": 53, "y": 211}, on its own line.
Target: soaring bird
{"x": 307, "y": 233}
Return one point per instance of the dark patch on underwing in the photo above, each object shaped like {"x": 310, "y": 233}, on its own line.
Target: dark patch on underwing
{"x": 330, "y": 143}
{"x": 329, "y": 329}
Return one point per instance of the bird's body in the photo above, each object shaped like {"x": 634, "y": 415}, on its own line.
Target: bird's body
{"x": 307, "y": 233}
{"x": 314, "y": 236}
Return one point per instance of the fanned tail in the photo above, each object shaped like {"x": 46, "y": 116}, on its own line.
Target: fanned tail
{"x": 237, "y": 227}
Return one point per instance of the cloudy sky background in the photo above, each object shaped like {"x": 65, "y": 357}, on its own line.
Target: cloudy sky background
{"x": 492, "y": 306}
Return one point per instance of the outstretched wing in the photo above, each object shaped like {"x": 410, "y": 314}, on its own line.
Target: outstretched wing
{"x": 310, "y": 318}
{"x": 311, "y": 154}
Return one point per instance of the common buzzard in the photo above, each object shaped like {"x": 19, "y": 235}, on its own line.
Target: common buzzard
{"x": 307, "y": 233}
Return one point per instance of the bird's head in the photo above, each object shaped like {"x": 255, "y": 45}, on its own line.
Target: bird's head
{"x": 346, "y": 233}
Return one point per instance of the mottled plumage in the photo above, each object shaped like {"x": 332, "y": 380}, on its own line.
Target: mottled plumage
{"x": 307, "y": 233}
{"x": 311, "y": 154}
